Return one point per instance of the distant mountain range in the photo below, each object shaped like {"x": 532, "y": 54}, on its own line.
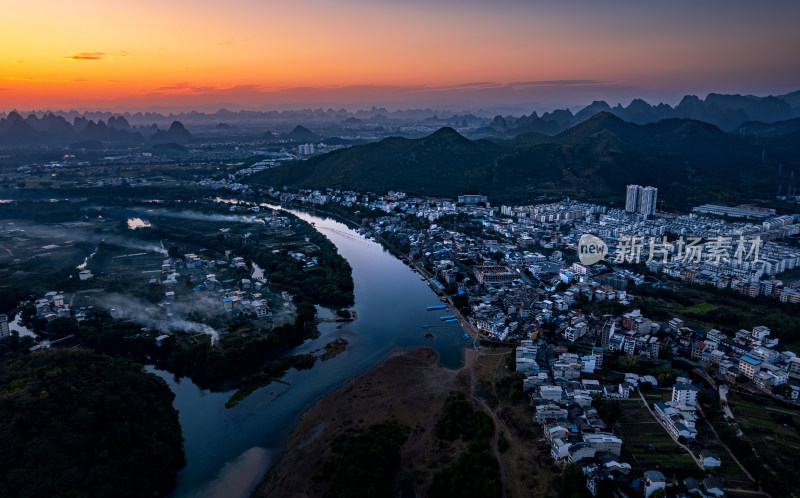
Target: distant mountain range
{"x": 728, "y": 112}
{"x": 688, "y": 160}
{"x": 52, "y": 129}
{"x": 725, "y": 111}
{"x": 724, "y": 148}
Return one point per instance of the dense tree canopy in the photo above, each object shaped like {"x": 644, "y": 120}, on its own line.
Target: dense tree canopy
{"x": 76, "y": 423}
{"x": 476, "y": 471}
{"x": 365, "y": 461}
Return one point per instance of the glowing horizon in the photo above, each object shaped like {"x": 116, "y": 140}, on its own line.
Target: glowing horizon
{"x": 101, "y": 55}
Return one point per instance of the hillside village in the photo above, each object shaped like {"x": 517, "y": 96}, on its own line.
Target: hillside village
{"x": 239, "y": 295}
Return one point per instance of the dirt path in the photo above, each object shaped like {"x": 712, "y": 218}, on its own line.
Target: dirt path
{"x": 495, "y": 442}
{"x": 686, "y": 448}
{"x": 496, "y": 436}
{"x": 714, "y": 431}
{"x": 499, "y": 424}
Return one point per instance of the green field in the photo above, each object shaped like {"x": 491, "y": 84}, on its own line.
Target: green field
{"x": 729, "y": 470}
{"x": 699, "y": 309}
{"x": 773, "y": 431}
{"x": 639, "y": 430}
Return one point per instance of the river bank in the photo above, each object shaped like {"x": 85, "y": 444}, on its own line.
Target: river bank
{"x": 229, "y": 450}
{"x": 408, "y": 387}
{"x": 409, "y": 390}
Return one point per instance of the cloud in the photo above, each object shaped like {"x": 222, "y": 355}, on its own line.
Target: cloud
{"x": 34, "y": 80}
{"x": 182, "y": 88}
{"x": 478, "y": 85}
{"x": 226, "y": 42}
{"x": 86, "y": 56}
{"x": 526, "y": 84}
{"x": 519, "y": 85}
{"x": 96, "y": 56}
{"x": 20, "y": 62}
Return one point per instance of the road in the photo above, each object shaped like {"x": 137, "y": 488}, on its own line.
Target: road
{"x": 704, "y": 375}
{"x": 726, "y": 410}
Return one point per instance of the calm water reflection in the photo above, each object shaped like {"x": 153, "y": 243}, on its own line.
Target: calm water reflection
{"x": 228, "y": 451}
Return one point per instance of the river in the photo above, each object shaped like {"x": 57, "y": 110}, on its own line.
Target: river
{"x": 229, "y": 450}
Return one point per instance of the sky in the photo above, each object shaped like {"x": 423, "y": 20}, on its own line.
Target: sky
{"x": 262, "y": 54}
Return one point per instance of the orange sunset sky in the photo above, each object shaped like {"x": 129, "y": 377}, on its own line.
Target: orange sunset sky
{"x": 119, "y": 54}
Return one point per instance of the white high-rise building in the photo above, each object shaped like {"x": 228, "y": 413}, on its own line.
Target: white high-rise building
{"x": 647, "y": 201}
{"x": 632, "y": 198}
{"x": 684, "y": 395}
{"x": 4, "y": 331}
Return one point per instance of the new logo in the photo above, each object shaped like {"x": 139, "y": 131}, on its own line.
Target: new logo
{"x": 591, "y": 249}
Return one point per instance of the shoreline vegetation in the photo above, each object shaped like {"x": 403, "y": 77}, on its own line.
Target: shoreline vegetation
{"x": 334, "y": 349}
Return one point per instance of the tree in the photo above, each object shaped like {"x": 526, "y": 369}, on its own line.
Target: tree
{"x": 364, "y": 463}
{"x": 498, "y": 256}
{"x": 573, "y": 481}
{"x": 610, "y": 410}
{"x": 606, "y": 488}
{"x": 511, "y": 363}
{"x": 628, "y": 363}
{"x": 665, "y": 375}
{"x": 62, "y": 326}
{"x": 14, "y": 346}
{"x": 474, "y": 473}
{"x": 77, "y": 423}
{"x": 461, "y": 301}
{"x": 707, "y": 396}
{"x": 783, "y": 390}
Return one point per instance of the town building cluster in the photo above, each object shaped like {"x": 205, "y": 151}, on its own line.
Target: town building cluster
{"x": 512, "y": 273}
{"x": 742, "y": 256}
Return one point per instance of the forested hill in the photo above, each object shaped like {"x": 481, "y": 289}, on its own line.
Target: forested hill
{"x": 77, "y": 423}
{"x": 689, "y": 161}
